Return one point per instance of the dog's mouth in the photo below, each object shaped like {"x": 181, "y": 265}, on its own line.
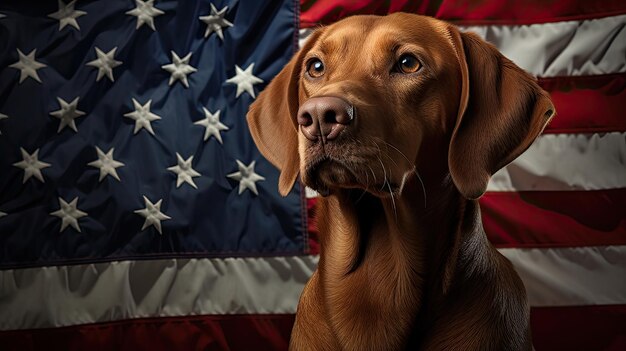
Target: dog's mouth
{"x": 326, "y": 175}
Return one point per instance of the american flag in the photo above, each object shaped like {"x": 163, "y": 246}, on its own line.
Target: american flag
{"x": 136, "y": 213}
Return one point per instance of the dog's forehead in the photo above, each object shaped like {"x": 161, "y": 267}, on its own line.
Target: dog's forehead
{"x": 391, "y": 30}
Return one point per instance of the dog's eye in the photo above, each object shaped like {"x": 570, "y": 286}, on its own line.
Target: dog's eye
{"x": 408, "y": 64}
{"x": 315, "y": 68}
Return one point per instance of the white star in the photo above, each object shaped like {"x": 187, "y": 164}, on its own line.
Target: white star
{"x": 28, "y": 66}
{"x": 69, "y": 214}
{"x": 215, "y": 22}
{"x": 247, "y": 177}
{"x": 107, "y": 164}
{"x": 184, "y": 171}
{"x": 244, "y": 80}
{"x": 179, "y": 68}
{"x": 31, "y": 165}
{"x": 142, "y": 116}
{"x": 213, "y": 125}
{"x": 67, "y": 15}
{"x": 2, "y": 116}
{"x": 105, "y": 63}
{"x": 145, "y": 12}
{"x": 153, "y": 214}
{"x": 67, "y": 114}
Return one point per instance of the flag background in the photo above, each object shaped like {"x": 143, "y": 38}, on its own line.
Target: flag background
{"x": 227, "y": 270}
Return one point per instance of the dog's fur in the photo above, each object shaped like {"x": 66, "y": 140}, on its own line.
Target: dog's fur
{"x": 404, "y": 260}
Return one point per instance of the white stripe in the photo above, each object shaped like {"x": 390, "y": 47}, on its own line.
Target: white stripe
{"x": 310, "y": 193}
{"x": 71, "y": 295}
{"x": 567, "y": 162}
{"x": 572, "y": 276}
{"x": 105, "y": 292}
{"x": 568, "y": 48}
{"x": 304, "y": 35}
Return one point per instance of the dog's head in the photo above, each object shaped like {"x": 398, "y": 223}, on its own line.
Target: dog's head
{"x": 353, "y": 107}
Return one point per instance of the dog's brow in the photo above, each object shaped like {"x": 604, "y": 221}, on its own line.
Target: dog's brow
{"x": 342, "y": 40}
{"x": 334, "y": 46}
{"x": 388, "y": 38}
{"x": 324, "y": 48}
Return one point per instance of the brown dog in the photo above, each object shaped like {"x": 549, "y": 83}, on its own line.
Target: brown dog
{"x": 399, "y": 122}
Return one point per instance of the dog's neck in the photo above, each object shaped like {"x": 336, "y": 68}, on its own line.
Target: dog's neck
{"x": 386, "y": 250}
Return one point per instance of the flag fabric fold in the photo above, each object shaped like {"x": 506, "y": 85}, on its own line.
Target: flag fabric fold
{"x": 136, "y": 212}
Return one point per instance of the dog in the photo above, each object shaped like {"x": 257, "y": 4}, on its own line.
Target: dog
{"x": 398, "y": 122}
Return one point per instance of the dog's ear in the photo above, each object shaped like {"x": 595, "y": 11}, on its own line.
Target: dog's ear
{"x": 272, "y": 119}
{"x": 501, "y": 112}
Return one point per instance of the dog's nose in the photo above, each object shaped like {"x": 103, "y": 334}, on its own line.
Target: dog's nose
{"x": 325, "y": 117}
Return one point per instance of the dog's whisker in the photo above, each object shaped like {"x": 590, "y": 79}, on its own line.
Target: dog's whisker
{"x": 391, "y": 159}
{"x": 373, "y": 174}
{"x": 393, "y": 202}
{"x": 414, "y": 169}
{"x": 386, "y": 182}
{"x": 367, "y": 185}
{"x": 382, "y": 165}
{"x": 398, "y": 150}
{"x": 387, "y": 154}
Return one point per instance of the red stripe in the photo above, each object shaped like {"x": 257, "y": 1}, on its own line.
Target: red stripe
{"x": 587, "y": 328}
{"x": 314, "y": 243}
{"x": 527, "y": 12}
{"x": 554, "y": 328}
{"x": 555, "y": 218}
{"x": 587, "y": 104}
{"x": 314, "y": 12}
{"x": 229, "y": 332}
